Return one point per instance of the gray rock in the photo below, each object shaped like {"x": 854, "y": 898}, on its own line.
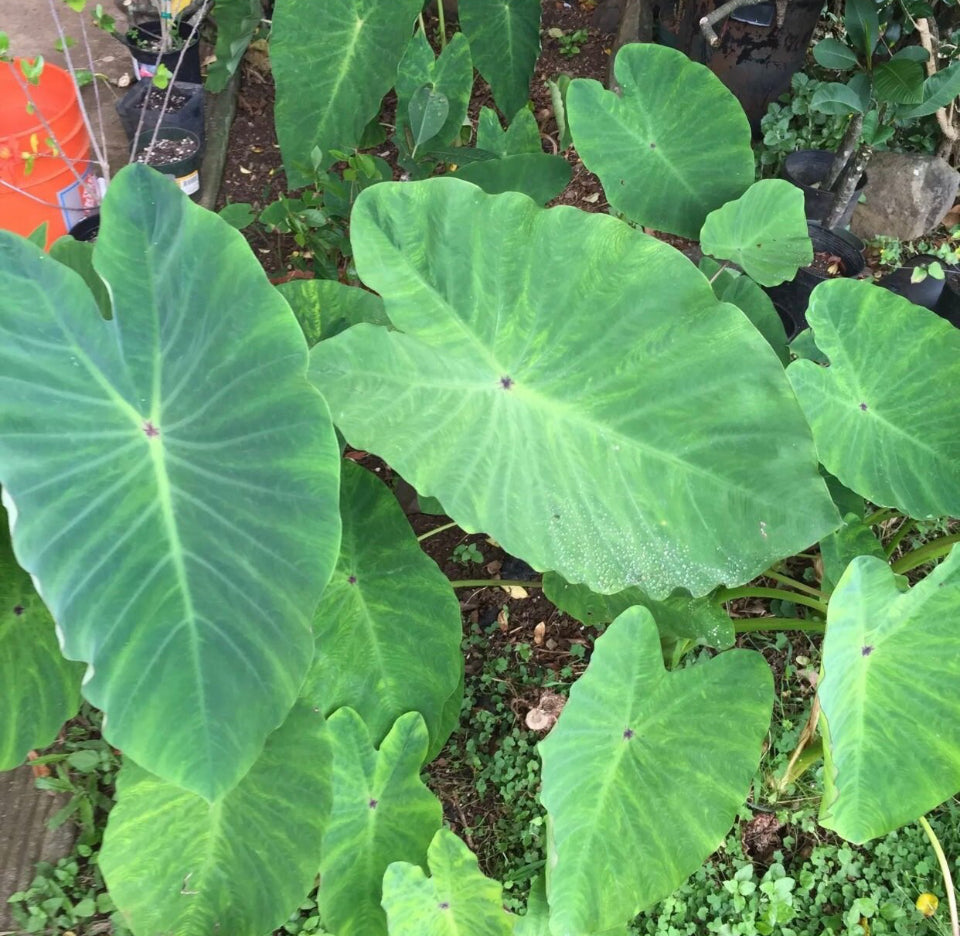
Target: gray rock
{"x": 24, "y": 836}
{"x": 907, "y": 196}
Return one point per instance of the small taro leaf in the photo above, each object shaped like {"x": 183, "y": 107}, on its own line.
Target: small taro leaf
{"x": 886, "y": 432}
{"x": 634, "y": 747}
{"x": 659, "y": 167}
{"x": 841, "y": 547}
{"x": 522, "y": 136}
{"x": 862, "y": 23}
{"x": 430, "y": 505}
{"x": 888, "y": 697}
{"x": 351, "y": 63}
{"x": 504, "y": 39}
{"x": 451, "y": 74}
{"x": 175, "y": 863}
{"x": 456, "y": 900}
{"x": 390, "y": 606}
{"x": 804, "y": 347}
{"x": 764, "y": 231}
{"x": 711, "y": 494}
{"x": 752, "y": 301}
{"x": 558, "y": 100}
{"x": 175, "y": 479}
{"x": 540, "y": 176}
{"x": 39, "y": 689}
{"x": 381, "y": 813}
{"x": 899, "y": 82}
{"x": 847, "y": 501}
{"x": 939, "y": 90}
{"x": 427, "y": 112}
{"x": 238, "y": 214}
{"x": 832, "y": 53}
{"x": 835, "y": 98}
{"x": 78, "y": 256}
{"x": 678, "y": 617}
{"x": 325, "y": 308}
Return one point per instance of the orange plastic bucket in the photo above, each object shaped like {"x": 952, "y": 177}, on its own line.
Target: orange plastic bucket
{"x": 45, "y": 174}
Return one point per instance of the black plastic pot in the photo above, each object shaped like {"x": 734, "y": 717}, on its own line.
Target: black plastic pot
{"x": 86, "y": 229}
{"x": 949, "y": 305}
{"x": 141, "y": 41}
{"x": 791, "y": 299}
{"x": 925, "y": 293}
{"x": 806, "y": 169}
{"x": 189, "y": 116}
{"x": 186, "y": 171}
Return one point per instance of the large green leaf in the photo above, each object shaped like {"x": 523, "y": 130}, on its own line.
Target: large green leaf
{"x": 899, "y": 82}
{"x": 332, "y": 63}
{"x": 505, "y": 41}
{"x": 540, "y": 176}
{"x": 381, "y": 813}
{"x": 174, "y": 478}
{"x": 389, "y": 606}
{"x": 450, "y": 75}
{"x": 571, "y": 338}
{"x": 939, "y": 90}
{"x": 880, "y": 417}
{"x": 836, "y": 99}
{"x": 741, "y": 291}
{"x": 678, "y": 617}
{"x": 39, "y": 689}
{"x": 659, "y": 164}
{"x": 862, "y": 22}
{"x": 832, "y": 53}
{"x": 889, "y": 699}
{"x": 456, "y": 900}
{"x": 175, "y": 863}
{"x": 764, "y": 231}
{"x": 645, "y": 771}
{"x": 237, "y": 21}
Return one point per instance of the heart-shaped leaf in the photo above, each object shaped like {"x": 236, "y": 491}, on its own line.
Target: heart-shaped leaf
{"x": 325, "y": 308}
{"x": 635, "y": 746}
{"x": 390, "y": 606}
{"x": 693, "y": 482}
{"x": 540, "y": 176}
{"x": 328, "y": 89}
{"x": 888, "y": 698}
{"x": 381, "y": 813}
{"x": 504, "y": 39}
{"x": 673, "y": 148}
{"x": 427, "y": 114}
{"x": 890, "y": 432}
{"x": 39, "y": 689}
{"x": 522, "y": 136}
{"x": 174, "y": 478}
{"x": 175, "y": 863}
{"x": 456, "y": 900}
{"x": 764, "y": 231}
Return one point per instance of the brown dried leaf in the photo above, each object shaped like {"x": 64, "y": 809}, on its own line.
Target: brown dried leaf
{"x": 538, "y": 633}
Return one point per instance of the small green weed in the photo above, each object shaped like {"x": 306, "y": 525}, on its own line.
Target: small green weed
{"x": 569, "y": 42}
{"x": 466, "y": 553}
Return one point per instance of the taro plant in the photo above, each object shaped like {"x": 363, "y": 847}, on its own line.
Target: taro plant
{"x": 277, "y": 659}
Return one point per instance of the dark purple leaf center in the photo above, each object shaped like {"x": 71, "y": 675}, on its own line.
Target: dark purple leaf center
{"x": 18, "y": 610}
{"x": 150, "y": 430}
{"x": 628, "y": 733}
{"x": 866, "y": 651}
{"x": 372, "y": 804}
{"x": 506, "y": 382}
{"x": 352, "y": 580}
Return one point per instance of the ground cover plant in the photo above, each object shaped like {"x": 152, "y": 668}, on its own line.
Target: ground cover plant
{"x": 274, "y": 655}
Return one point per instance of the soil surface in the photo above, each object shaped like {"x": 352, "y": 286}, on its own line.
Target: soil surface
{"x": 153, "y": 100}
{"x": 168, "y": 150}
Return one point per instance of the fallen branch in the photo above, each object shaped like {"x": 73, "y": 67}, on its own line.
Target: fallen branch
{"x": 724, "y": 10}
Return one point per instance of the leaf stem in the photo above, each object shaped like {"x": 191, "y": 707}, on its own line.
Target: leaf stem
{"x": 897, "y": 537}
{"x": 878, "y": 516}
{"x": 441, "y": 16}
{"x": 793, "y": 583}
{"x": 435, "y": 530}
{"x": 753, "y": 625}
{"x": 945, "y": 871}
{"x": 752, "y": 591}
{"x": 926, "y": 553}
{"x": 496, "y": 583}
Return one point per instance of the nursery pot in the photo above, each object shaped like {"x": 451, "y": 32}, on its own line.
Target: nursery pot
{"x": 56, "y": 184}
{"x": 925, "y": 293}
{"x": 184, "y": 111}
{"x": 949, "y": 305}
{"x": 184, "y": 171}
{"x": 87, "y": 229}
{"x": 791, "y": 298}
{"x": 806, "y": 169}
{"x": 142, "y": 41}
